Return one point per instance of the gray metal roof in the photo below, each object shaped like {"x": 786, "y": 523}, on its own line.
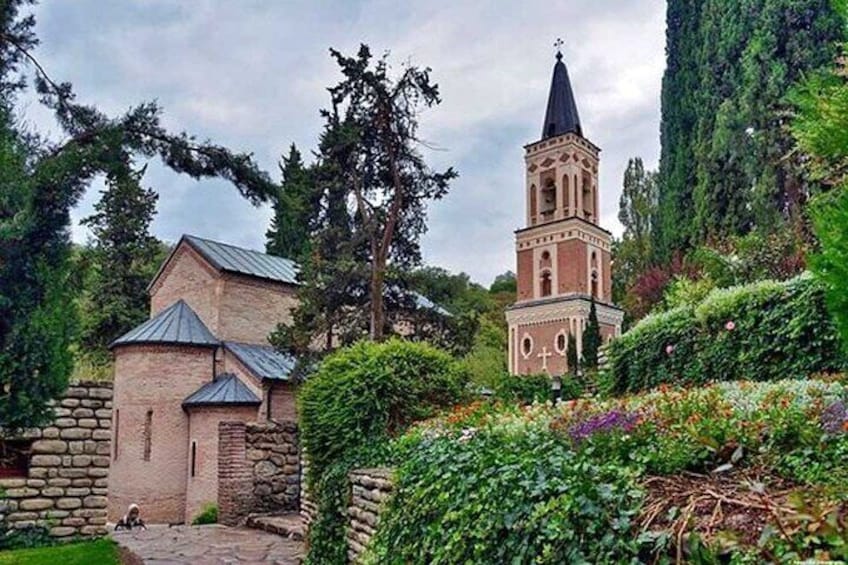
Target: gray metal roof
{"x": 561, "y": 116}
{"x": 177, "y": 323}
{"x": 226, "y": 257}
{"x": 225, "y": 389}
{"x": 422, "y": 301}
{"x": 263, "y": 361}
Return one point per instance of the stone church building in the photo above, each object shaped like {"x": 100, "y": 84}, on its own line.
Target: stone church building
{"x": 563, "y": 254}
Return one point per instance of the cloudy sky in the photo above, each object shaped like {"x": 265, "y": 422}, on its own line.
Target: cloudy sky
{"x": 252, "y": 75}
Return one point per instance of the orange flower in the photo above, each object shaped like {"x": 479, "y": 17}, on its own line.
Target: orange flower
{"x": 845, "y": 426}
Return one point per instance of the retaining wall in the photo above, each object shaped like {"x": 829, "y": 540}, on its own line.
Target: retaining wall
{"x": 370, "y": 489}
{"x": 65, "y": 485}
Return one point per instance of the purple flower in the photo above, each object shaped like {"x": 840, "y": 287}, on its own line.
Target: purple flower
{"x": 614, "y": 420}
{"x": 834, "y": 417}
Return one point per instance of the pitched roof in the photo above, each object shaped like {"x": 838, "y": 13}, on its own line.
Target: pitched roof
{"x": 225, "y": 389}
{"x": 233, "y": 259}
{"x": 226, "y": 257}
{"x": 263, "y": 361}
{"x": 176, "y": 324}
{"x": 561, "y": 116}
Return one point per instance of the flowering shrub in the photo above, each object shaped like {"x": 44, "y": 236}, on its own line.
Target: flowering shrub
{"x": 762, "y": 331}
{"x": 564, "y": 483}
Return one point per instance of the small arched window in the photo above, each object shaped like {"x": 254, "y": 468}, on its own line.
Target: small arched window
{"x": 594, "y": 284}
{"x": 545, "y": 284}
{"x": 527, "y": 345}
{"x": 561, "y": 343}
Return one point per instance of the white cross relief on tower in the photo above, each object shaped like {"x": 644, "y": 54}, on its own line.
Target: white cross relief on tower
{"x": 544, "y": 357}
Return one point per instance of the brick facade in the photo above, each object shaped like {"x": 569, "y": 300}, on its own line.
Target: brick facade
{"x": 66, "y": 482}
{"x": 150, "y": 384}
{"x": 250, "y": 309}
{"x": 187, "y": 276}
{"x": 202, "y": 479}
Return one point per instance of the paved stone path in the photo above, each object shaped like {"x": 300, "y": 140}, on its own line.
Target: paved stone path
{"x": 212, "y": 545}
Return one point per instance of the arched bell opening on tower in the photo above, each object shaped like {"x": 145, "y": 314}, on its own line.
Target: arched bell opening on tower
{"x": 545, "y": 288}
{"x": 548, "y": 200}
{"x": 588, "y": 197}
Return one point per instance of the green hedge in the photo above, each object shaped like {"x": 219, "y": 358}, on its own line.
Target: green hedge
{"x": 357, "y": 399}
{"x": 762, "y": 331}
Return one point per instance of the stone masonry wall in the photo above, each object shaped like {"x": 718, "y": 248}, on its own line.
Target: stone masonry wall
{"x": 370, "y": 489}
{"x": 272, "y": 448}
{"x": 258, "y": 469}
{"x": 66, "y": 483}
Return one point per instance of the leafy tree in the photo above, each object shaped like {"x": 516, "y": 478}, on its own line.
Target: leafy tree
{"x": 125, "y": 257}
{"x": 505, "y": 282}
{"x": 294, "y": 209}
{"x": 39, "y": 184}
{"x": 389, "y": 181}
{"x": 637, "y": 210}
{"x": 592, "y": 339}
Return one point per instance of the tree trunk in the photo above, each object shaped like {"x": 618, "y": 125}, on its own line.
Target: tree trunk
{"x": 378, "y": 276}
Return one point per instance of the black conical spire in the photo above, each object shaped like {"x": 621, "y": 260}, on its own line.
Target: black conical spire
{"x": 561, "y": 116}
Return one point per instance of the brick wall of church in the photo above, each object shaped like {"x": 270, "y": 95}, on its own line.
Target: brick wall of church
{"x": 202, "y": 484}
{"x": 572, "y": 266}
{"x": 150, "y": 428}
{"x": 250, "y": 309}
{"x": 188, "y": 277}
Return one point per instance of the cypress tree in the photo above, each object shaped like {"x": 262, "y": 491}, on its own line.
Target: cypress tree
{"x": 571, "y": 356}
{"x": 592, "y": 339}
{"x": 294, "y": 209}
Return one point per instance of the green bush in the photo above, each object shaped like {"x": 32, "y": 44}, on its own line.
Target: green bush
{"x": 208, "y": 515}
{"x": 524, "y": 389}
{"x": 358, "y": 398}
{"x": 762, "y": 331}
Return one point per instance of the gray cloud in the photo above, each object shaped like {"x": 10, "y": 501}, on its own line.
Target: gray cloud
{"x": 253, "y": 74}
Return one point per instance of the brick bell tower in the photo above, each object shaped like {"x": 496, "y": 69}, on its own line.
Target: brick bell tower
{"x": 563, "y": 255}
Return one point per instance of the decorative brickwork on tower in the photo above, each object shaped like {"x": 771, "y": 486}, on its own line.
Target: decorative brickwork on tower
{"x": 562, "y": 255}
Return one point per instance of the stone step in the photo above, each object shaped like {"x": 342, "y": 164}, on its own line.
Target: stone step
{"x": 290, "y": 525}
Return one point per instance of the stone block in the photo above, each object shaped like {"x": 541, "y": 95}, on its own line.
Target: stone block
{"x": 20, "y": 516}
{"x": 68, "y": 503}
{"x": 81, "y": 461}
{"x": 82, "y": 413}
{"x": 86, "y": 482}
{"x": 102, "y": 491}
{"x": 65, "y": 423}
{"x": 101, "y": 393}
{"x": 56, "y": 514}
{"x": 54, "y": 492}
{"x": 73, "y": 473}
{"x": 76, "y": 392}
{"x": 36, "y": 483}
{"x": 105, "y": 424}
{"x": 62, "y": 531}
{"x": 107, "y": 404}
{"x": 75, "y": 433}
{"x": 21, "y": 492}
{"x": 97, "y": 520}
{"x": 69, "y": 403}
{"x": 78, "y": 491}
{"x": 89, "y": 423}
{"x": 103, "y": 413}
{"x": 76, "y": 522}
{"x": 38, "y": 472}
{"x": 50, "y": 433}
{"x": 36, "y": 504}
{"x": 98, "y": 472}
{"x": 31, "y": 433}
{"x": 103, "y": 448}
{"x": 94, "y": 502}
{"x": 101, "y": 435}
{"x": 91, "y": 403}
{"x": 76, "y": 447}
{"x": 94, "y": 531}
{"x": 12, "y": 483}
{"x": 90, "y": 447}
{"x": 25, "y": 524}
{"x": 100, "y": 461}
{"x": 49, "y": 446}
{"x": 59, "y": 482}
{"x": 101, "y": 483}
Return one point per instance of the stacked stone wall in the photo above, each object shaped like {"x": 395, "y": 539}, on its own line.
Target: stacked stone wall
{"x": 258, "y": 469}
{"x": 66, "y": 482}
{"x": 308, "y": 508}
{"x": 370, "y": 489}
{"x": 272, "y": 450}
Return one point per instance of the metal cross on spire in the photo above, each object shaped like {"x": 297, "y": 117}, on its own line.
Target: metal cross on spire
{"x": 558, "y": 44}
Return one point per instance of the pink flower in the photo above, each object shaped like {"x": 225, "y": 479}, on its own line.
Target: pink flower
{"x": 669, "y": 349}
{"x": 730, "y": 325}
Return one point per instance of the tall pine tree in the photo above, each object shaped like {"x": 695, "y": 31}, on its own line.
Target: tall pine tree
{"x": 592, "y": 339}
{"x": 125, "y": 259}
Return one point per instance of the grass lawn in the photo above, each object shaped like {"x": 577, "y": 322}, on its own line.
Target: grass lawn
{"x": 99, "y": 552}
